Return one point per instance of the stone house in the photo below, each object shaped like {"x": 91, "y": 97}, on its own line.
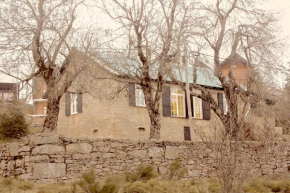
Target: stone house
{"x": 126, "y": 116}
{"x": 8, "y": 92}
{"x": 39, "y": 103}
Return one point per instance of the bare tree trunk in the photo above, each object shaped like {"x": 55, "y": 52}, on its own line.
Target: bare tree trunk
{"x": 155, "y": 125}
{"x": 50, "y": 122}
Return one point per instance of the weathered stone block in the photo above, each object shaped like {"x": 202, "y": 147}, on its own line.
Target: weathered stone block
{"x": 108, "y": 155}
{"x": 24, "y": 148}
{"x": 79, "y": 148}
{"x": 44, "y": 139}
{"x": 48, "y": 170}
{"x": 171, "y": 152}
{"x": 13, "y": 149}
{"x": 139, "y": 153}
{"x": 2, "y": 165}
{"x": 81, "y": 156}
{"x": 38, "y": 158}
{"x": 156, "y": 152}
{"x": 48, "y": 149}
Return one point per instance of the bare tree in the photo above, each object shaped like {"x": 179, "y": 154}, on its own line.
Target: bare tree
{"x": 232, "y": 27}
{"x": 38, "y": 39}
{"x": 152, "y": 35}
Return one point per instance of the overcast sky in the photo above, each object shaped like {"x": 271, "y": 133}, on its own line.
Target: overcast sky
{"x": 281, "y": 6}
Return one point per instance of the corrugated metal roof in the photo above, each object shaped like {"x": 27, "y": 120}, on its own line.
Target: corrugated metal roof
{"x": 205, "y": 76}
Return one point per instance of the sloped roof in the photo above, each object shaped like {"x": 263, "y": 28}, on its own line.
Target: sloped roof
{"x": 205, "y": 75}
{"x": 236, "y": 58}
{"x": 7, "y": 86}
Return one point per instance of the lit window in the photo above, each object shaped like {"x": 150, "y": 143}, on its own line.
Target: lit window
{"x": 44, "y": 110}
{"x": 225, "y": 104}
{"x": 74, "y": 103}
{"x": 177, "y": 103}
{"x": 197, "y": 105}
{"x": 139, "y": 96}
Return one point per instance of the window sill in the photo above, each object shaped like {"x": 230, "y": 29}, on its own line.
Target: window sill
{"x": 140, "y": 106}
{"x": 178, "y": 117}
{"x": 73, "y": 113}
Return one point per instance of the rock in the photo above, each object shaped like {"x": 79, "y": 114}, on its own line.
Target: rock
{"x": 44, "y": 138}
{"x": 13, "y": 149}
{"x": 81, "y": 156}
{"x": 39, "y": 158}
{"x": 79, "y": 148}
{"x": 139, "y": 153}
{"x": 171, "y": 152}
{"x": 193, "y": 173}
{"x": 24, "y": 148}
{"x": 108, "y": 155}
{"x": 2, "y": 165}
{"x": 162, "y": 170}
{"x": 48, "y": 170}
{"x": 155, "y": 152}
{"x": 48, "y": 149}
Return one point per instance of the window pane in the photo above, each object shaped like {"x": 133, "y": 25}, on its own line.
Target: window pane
{"x": 180, "y": 91}
{"x": 173, "y": 106}
{"x": 180, "y": 106}
{"x": 197, "y": 107}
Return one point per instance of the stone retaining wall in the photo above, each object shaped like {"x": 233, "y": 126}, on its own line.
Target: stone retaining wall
{"x": 50, "y": 157}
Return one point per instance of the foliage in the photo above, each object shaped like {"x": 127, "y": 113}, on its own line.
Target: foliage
{"x": 89, "y": 184}
{"x": 143, "y": 173}
{"x": 176, "y": 170}
{"x": 259, "y": 185}
{"x": 13, "y": 124}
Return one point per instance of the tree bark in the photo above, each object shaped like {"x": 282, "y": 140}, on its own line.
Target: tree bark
{"x": 155, "y": 125}
{"x": 50, "y": 122}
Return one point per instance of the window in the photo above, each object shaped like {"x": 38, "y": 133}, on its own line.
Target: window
{"x": 197, "y": 105}
{"x": 74, "y": 103}
{"x": 225, "y": 104}
{"x": 8, "y": 96}
{"x": 177, "y": 103}
{"x": 44, "y": 110}
{"x": 139, "y": 96}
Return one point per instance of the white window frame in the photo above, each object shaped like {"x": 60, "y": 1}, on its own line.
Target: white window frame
{"x": 195, "y": 106}
{"x": 139, "y": 97}
{"x": 225, "y": 104}
{"x": 74, "y": 104}
{"x": 176, "y": 97}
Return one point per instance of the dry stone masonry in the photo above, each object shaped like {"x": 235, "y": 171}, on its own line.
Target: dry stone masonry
{"x": 47, "y": 157}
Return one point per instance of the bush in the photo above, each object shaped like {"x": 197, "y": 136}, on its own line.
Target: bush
{"x": 143, "y": 173}
{"x": 89, "y": 184}
{"x": 13, "y": 124}
{"x": 176, "y": 171}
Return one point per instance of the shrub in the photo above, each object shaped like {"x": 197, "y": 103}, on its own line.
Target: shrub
{"x": 13, "y": 124}
{"x": 176, "y": 170}
{"x": 26, "y": 186}
{"x": 143, "y": 173}
{"x": 89, "y": 184}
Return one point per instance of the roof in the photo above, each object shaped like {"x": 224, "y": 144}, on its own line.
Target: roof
{"x": 7, "y": 86}
{"x": 236, "y": 58}
{"x": 205, "y": 75}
